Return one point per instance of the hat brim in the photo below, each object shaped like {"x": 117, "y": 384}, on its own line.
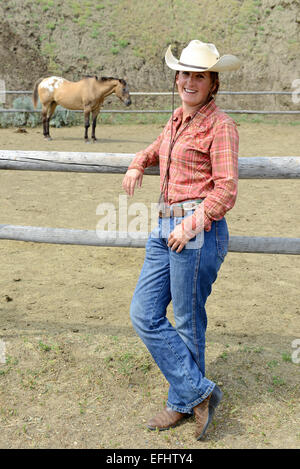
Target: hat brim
{"x": 225, "y": 63}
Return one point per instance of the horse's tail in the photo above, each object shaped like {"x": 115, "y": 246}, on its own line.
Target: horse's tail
{"x": 35, "y": 91}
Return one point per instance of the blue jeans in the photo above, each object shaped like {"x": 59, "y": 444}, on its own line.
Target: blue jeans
{"x": 186, "y": 279}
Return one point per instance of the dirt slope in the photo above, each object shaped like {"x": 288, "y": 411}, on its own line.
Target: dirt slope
{"x": 128, "y": 39}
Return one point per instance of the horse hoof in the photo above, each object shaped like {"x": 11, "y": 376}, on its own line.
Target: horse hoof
{"x": 94, "y": 140}
{"x": 86, "y": 141}
{"x": 48, "y": 138}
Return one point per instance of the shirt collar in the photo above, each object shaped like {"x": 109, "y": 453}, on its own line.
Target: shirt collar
{"x": 203, "y": 112}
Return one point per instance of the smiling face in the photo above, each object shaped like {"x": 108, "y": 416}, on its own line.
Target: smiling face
{"x": 194, "y": 89}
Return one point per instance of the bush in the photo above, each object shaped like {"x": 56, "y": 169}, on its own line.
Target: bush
{"x": 62, "y": 117}
{"x": 19, "y": 119}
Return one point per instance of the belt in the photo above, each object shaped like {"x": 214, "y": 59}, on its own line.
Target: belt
{"x": 179, "y": 210}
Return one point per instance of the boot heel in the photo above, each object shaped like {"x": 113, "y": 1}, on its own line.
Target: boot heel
{"x": 216, "y": 397}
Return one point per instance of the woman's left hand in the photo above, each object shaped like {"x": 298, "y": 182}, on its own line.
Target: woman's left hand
{"x": 179, "y": 238}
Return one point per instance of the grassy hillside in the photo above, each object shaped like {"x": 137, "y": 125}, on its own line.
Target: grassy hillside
{"x": 128, "y": 39}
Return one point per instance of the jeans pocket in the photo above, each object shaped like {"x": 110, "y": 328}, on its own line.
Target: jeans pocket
{"x": 222, "y": 238}
{"x": 197, "y": 241}
{"x": 177, "y": 221}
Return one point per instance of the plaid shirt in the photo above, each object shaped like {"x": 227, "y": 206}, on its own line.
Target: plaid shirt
{"x": 204, "y": 161}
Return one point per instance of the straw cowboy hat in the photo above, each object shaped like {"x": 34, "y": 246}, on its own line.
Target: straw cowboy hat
{"x": 201, "y": 56}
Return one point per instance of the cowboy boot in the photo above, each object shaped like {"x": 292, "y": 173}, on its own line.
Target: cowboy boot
{"x": 204, "y": 411}
{"x": 166, "y": 419}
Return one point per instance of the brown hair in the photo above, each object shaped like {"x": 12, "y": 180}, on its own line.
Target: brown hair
{"x": 215, "y": 83}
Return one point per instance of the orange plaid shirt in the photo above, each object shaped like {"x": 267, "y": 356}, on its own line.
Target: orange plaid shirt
{"x": 204, "y": 161}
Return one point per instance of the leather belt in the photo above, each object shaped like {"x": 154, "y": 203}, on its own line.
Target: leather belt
{"x": 174, "y": 212}
{"x": 178, "y": 210}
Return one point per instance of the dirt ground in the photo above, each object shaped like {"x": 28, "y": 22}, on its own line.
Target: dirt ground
{"x": 76, "y": 375}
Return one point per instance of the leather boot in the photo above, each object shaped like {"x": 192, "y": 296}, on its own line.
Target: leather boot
{"x": 204, "y": 411}
{"x": 166, "y": 419}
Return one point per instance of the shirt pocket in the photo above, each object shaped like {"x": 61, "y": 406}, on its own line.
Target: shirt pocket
{"x": 192, "y": 148}
{"x": 200, "y": 138}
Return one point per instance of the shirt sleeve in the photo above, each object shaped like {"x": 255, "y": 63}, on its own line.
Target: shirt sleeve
{"x": 224, "y": 163}
{"x": 147, "y": 157}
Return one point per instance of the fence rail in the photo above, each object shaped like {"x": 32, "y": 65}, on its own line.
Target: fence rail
{"x": 33, "y": 234}
{"x": 163, "y": 111}
{"x": 168, "y": 93}
{"x": 255, "y": 167}
{"x": 261, "y": 167}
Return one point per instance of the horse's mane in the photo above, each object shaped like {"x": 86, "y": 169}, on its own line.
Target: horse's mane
{"x": 90, "y": 76}
{"x": 106, "y": 79}
{"x": 112, "y": 78}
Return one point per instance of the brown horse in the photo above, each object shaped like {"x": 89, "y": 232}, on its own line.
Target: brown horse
{"x": 87, "y": 94}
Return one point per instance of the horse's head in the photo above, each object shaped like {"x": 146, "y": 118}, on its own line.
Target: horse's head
{"x": 122, "y": 92}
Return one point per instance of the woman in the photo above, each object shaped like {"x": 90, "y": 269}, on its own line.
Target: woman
{"x": 198, "y": 157}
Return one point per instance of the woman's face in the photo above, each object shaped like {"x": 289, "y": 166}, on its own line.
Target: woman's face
{"x": 193, "y": 88}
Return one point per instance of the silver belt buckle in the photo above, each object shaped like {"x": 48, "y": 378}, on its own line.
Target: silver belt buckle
{"x": 189, "y": 206}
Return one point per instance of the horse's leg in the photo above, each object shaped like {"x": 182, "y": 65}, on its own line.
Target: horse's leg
{"x": 86, "y": 124}
{"x": 44, "y": 119}
{"x": 95, "y": 115}
{"x": 50, "y": 114}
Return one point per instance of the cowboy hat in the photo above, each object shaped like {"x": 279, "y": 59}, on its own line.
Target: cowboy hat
{"x": 201, "y": 56}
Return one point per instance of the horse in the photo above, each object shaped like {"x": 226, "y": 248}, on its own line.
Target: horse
{"x": 88, "y": 95}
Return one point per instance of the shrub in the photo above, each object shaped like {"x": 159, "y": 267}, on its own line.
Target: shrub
{"x": 18, "y": 119}
{"x": 62, "y": 117}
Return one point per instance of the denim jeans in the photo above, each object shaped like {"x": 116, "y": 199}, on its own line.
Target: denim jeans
{"x": 186, "y": 279}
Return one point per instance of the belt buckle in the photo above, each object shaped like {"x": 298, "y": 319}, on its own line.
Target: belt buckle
{"x": 189, "y": 206}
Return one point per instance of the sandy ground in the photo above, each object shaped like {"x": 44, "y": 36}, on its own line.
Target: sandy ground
{"x": 76, "y": 375}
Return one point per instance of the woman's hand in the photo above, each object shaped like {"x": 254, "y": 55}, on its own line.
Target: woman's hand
{"x": 181, "y": 235}
{"x": 132, "y": 178}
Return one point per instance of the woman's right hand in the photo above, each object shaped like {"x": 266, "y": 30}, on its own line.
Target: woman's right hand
{"x": 132, "y": 178}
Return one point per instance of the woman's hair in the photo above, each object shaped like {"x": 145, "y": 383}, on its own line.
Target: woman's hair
{"x": 215, "y": 82}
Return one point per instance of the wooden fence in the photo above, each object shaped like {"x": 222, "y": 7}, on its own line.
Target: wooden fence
{"x": 168, "y": 111}
{"x": 249, "y": 168}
